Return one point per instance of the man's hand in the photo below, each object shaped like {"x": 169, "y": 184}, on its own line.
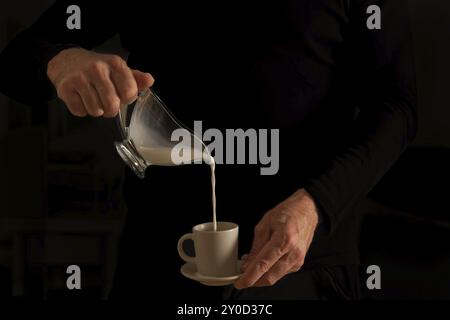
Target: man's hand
{"x": 282, "y": 239}
{"x": 93, "y": 83}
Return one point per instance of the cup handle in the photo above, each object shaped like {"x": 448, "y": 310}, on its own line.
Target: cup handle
{"x": 183, "y": 255}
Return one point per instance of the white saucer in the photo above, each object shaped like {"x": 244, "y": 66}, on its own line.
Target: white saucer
{"x": 189, "y": 270}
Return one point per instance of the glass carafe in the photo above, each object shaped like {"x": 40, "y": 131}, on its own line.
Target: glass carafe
{"x": 147, "y": 128}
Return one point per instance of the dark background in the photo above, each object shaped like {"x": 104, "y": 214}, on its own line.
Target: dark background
{"x": 61, "y": 180}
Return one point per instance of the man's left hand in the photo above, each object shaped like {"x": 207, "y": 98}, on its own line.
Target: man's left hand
{"x": 281, "y": 241}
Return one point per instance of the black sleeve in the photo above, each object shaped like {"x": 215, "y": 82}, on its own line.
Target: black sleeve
{"x": 23, "y": 63}
{"x": 387, "y": 120}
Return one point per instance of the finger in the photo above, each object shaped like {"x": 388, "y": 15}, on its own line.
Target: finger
{"x": 278, "y": 270}
{"x": 289, "y": 263}
{"x": 244, "y": 258}
{"x": 143, "y": 80}
{"x": 260, "y": 238}
{"x": 124, "y": 81}
{"x": 91, "y": 100}
{"x": 75, "y": 104}
{"x": 267, "y": 257}
{"x": 108, "y": 96}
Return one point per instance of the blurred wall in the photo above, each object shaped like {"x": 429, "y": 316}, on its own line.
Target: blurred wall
{"x": 431, "y": 29}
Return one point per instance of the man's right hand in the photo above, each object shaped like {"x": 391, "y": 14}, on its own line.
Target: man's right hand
{"x": 93, "y": 83}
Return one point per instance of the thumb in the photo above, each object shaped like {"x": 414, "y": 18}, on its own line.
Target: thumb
{"x": 143, "y": 79}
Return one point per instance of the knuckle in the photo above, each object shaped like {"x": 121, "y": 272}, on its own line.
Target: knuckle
{"x": 285, "y": 243}
{"x": 263, "y": 266}
{"x": 288, "y": 240}
{"x": 98, "y": 67}
{"x": 116, "y": 61}
{"x": 280, "y": 250}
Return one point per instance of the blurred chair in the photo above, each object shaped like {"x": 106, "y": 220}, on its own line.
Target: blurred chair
{"x": 38, "y": 244}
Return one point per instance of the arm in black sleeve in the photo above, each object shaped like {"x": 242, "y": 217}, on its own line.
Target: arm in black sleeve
{"x": 387, "y": 120}
{"x": 23, "y": 63}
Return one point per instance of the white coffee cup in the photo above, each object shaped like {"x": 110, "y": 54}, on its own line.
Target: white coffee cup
{"x": 216, "y": 252}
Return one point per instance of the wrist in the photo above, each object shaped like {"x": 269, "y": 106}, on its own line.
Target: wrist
{"x": 308, "y": 205}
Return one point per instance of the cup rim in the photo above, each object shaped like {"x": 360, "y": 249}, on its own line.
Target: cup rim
{"x": 233, "y": 227}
